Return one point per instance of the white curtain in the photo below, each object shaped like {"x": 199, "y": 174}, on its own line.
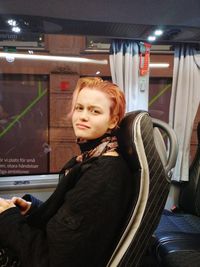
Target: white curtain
{"x": 124, "y": 65}
{"x": 184, "y": 104}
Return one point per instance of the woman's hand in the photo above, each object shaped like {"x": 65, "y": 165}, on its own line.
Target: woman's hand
{"x": 22, "y": 204}
{"x": 6, "y": 204}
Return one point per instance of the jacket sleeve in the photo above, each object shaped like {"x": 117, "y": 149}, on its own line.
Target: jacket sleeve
{"x": 35, "y": 203}
{"x": 73, "y": 230}
{"x": 27, "y": 243}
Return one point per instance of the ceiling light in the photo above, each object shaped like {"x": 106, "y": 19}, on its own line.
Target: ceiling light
{"x": 12, "y": 22}
{"x": 158, "y": 32}
{"x": 151, "y": 38}
{"x": 159, "y": 65}
{"x": 55, "y": 58}
{"x": 16, "y": 29}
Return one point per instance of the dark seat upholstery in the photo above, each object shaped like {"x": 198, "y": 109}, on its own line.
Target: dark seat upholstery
{"x": 137, "y": 145}
{"x": 189, "y": 200}
{"x": 183, "y": 258}
{"x": 178, "y": 233}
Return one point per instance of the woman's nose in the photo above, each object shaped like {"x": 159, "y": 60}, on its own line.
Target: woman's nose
{"x": 84, "y": 115}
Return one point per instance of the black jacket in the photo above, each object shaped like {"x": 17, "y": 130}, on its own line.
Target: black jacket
{"x": 78, "y": 226}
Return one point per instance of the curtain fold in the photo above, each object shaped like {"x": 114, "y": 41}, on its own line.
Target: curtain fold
{"x": 184, "y": 103}
{"x": 124, "y": 64}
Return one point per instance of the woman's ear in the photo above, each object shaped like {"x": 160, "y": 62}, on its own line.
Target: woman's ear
{"x": 113, "y": 122}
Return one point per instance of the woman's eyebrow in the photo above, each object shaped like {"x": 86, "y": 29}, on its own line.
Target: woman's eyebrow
{"x": 89, "y": 105}
{"x": 78, "y": 104}
{"x": 94, "y": 106}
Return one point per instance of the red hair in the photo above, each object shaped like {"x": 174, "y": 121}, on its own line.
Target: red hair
{"x": 114, "y": 93}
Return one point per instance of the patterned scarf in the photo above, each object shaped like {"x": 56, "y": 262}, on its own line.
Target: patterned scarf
{"x": 97, "y": 147}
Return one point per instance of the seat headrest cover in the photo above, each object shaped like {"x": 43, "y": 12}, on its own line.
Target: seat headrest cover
{"x": 125, "y": 138}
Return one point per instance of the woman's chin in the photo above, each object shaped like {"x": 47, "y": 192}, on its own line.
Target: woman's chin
{"x": 82, "y": 137}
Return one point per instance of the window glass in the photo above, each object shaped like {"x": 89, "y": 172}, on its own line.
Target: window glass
{"x": 24, "y": 124}
{"x": 159, "y": 97}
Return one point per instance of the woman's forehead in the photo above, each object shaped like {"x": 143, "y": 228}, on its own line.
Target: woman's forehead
{"x": 93, "y": 97}
{"x": 93, "y": 94}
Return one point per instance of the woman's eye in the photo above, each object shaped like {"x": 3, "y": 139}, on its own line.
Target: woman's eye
{"x": 95, "y": 111}
{"x": 78, "y": 108}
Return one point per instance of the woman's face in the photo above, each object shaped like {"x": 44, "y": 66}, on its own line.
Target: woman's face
{"x": 91, "y": 116}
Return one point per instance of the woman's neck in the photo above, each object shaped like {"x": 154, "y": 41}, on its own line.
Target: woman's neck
{"x": 103, "y": 145}
{"x": 86, "y": 145}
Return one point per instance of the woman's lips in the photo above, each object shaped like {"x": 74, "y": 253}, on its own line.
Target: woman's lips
{"x": 82, "y": 126}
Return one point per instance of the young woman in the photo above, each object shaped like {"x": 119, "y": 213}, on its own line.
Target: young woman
{"x": 79, "y": 225}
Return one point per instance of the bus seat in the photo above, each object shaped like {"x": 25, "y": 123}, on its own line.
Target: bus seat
{"x": 167, "y": 156}
{"x": 137, "y": 144}
{"x": 177, "y": 237}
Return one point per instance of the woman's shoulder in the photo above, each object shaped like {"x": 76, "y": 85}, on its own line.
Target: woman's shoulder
{"x": 109, "y": 162}
{"x": 105, "y": 171}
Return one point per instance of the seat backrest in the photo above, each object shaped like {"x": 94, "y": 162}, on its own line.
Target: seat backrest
{"x": 189, "y": 199}
{"x": 137, "y": 145}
